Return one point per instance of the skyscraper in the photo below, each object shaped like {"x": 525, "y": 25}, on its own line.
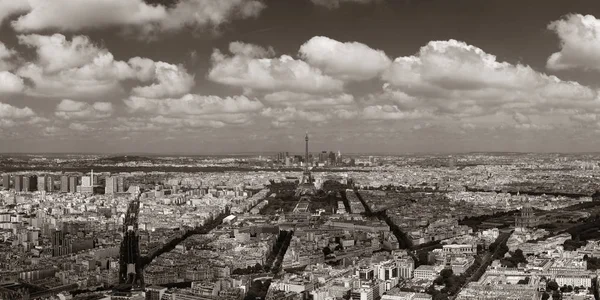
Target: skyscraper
{"x": 18, "y": 183}
{"x": 41, "y": 183}
{"x": 26, "y": 184}
{"x": 73, "y": 181}
{"x": 120, "y": 184}
{"x": 64, "y": 184}
{"x": 49, "y": 183}
{"x": 6, "y": 181}
{"x": 112, "y": 184}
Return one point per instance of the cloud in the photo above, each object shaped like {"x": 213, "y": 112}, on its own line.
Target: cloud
{"x": 579, "y": 43}
{"x": 77, "y": 68}
{"x": 8, "y": 111}
{"x": 78, "y": 15}
{"x": 70, "y": 69}
{"x": 171, "y": 80}
{"x": 331, "y": 4}
{"x": 79, "y": 127}
{"x": 308, "y": 100}
{"x": 349, "y": 61}
{"x": 460, "y": 80}
{"x": 244, "y": 69}
{"x": 286, "y": 115}
{"x": 389, "y": 112}
{"x": 5, "y": 56}
{"x": 10, "y": 83}
{"x": 250, "y": 50}
{"x": 77, "y": 110}
{"x": 193, "y": 105}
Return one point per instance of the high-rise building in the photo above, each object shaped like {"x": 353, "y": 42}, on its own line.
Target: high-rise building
{"x": 120, "y": 184}
{"x": 73, "y": 181}
{"x": 6, "y": 181}
{"x": 61, "y": 245}
{"x": 49, "y": 183}
{"x": 18, "y": 183}
{"x": 41, "y": 183}
{"x": 112, "y": 184}
{"x": 64, "y": 184}
{"x": 26, "y": 184}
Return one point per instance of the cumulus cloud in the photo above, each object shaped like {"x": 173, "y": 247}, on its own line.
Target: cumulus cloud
{"x": 5, "y": 56}
{"x": 79, "y": 126}
{"x": 74, "y": 68}
{"x": 579, "y": 43}
{"x": 244, "y": 69}
{"x": 76, "y": 110}
{"x": 171, "y": 80}
{"x": 228, "y": 110}
{"x": 286, "y": 115}
{"x": 77, "y": 68}
{"x": 451, "y": 77}
{"x": 77, "y": 15}
{"x": 10, "y": 83}
{"x": 308, "y": 100}
{"x": 8, "y": 111}
{"x": 389, "y": 112}
{"x": 349, "y": 61}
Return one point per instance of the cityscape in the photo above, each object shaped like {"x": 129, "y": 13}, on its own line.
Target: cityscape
{"x": 299, "y": 150}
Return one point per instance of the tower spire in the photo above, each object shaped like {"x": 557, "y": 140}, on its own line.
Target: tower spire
{"x": 306, "y": 152}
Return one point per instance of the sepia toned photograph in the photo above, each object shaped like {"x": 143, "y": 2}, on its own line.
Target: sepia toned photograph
{"x": 299, "y": 149}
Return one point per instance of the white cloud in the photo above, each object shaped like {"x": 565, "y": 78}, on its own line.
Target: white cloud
{"x": 74, "y": 68}
{"x": 451, "y": 77}
{"x": 389, "y": 112}
{"x": 76, "y": 15}
{"x": 10, "y": 7}
{"x": 8, "y": 111}
{"x": 250, "y": 50}
{"x": 10, "y": 83}
{"x": 56, "y": 53}
{"x": 579, "y": 43}
{"x": 171, "y": 80}
{"x": 77, "y": 68}
{"x": 231, "y": 110}
{"x": 349, "y": 61}
{"x": 77, "y": 110}
{"x": 5, "y": 55}
{"x": 269, "y": 74}
{"x": 281, "y": 116}
{"x": 308, "y": 100}
{"x": 79, "y": 126}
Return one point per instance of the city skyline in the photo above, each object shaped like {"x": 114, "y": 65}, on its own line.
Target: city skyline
{"x": 249, "y": 76}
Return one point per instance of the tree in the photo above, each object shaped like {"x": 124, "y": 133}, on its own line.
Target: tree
{"x": 552, "y": 286}
{"x": 545, "y": 296}
{"x": 446, "y": 273}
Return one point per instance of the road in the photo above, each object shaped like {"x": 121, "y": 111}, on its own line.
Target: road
{"x": 486, "y": 261}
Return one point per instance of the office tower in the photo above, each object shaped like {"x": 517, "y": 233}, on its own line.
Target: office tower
{"x": 41, "y": 183}
{"x": 64, "y": 184}
{"x": 73, "y": 181}
{"x": 26, "y": 184}
{"x": 18, "y": 183}
{"x": 61, "y": 245}
{"x": 6, "y": 181}
{"x": 112, "y": 184}
{"x": 49, "y": 183}
{"x": 120, "y": 185}
{"x": 87, "y": 184}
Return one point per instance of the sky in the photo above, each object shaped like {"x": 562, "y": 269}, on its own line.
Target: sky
{"x": 239, "y": 76}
